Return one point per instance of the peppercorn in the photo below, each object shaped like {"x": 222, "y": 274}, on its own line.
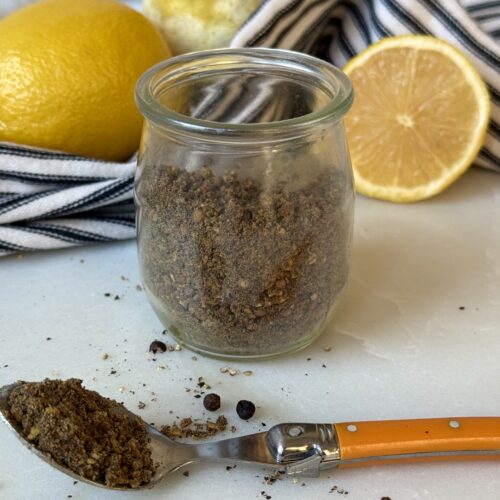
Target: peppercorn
{"x": 245, "y": 409}
{"x": 157, "y": 345}
{"x": 211, "y": 402}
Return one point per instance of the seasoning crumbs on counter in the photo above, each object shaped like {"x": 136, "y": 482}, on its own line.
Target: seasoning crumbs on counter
{"x": 196, "y": 429}
{"x": 231, "y": 371}
{"x": 276, "y": 476}
{"x": 338, "y": 490}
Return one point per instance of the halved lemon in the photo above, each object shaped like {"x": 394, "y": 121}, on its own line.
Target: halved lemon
{"x": 419, "y": 117}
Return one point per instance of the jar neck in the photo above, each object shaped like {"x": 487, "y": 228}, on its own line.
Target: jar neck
{"x": 244, "y": 95}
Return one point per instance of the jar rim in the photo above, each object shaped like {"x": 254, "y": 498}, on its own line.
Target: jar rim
{"x": 161, "y": 115}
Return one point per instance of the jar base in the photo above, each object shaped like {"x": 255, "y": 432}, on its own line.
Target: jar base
{"x": 234, "y": 356}
{"x": 298, "y": 346}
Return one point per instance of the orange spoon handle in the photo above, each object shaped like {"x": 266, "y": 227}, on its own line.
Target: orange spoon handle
{"x": 393, "y": 441}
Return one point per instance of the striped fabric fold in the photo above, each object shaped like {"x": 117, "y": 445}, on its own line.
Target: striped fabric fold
{"x": 486, "y": 14}
{"x": 53, "y": 199}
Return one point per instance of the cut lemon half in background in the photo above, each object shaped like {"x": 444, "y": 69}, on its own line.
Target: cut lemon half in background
{"x": 419, "y": 117}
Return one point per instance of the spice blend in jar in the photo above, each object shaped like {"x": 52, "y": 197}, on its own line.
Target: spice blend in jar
{"x": 237, "y": 266}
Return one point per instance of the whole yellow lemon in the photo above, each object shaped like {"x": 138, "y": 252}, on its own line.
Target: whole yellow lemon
{"x": 68, "y": 69}
{"x": 190, "y": 25}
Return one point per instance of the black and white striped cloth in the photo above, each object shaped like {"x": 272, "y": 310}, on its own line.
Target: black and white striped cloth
{"x": 53, "y": 200}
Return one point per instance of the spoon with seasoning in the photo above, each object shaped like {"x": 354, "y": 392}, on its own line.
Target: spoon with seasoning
{"x": 296, "y": 449}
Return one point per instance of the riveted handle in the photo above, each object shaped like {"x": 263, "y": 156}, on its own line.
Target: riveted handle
{"x": 393, "y": 441}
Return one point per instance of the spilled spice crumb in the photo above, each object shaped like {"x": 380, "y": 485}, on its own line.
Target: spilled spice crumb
{"x": 276, "y": 476}
{"x": 228, "y": 369}
{"x": 83, "y": 431}
{"x": 185, "y": 422}
{"x": 189, "y": 428}
{"x": 202, "y": 384}
{"x": 340, "y": 491}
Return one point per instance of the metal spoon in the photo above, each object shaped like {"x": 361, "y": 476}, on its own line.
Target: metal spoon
{"x": 304, "y": 449}
{"x": 264, "y": 448}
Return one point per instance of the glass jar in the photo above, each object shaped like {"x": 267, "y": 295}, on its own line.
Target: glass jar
{"x": 244, "y": 197}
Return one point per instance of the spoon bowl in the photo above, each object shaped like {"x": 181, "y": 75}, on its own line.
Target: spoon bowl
{"x": 167, "y": 454}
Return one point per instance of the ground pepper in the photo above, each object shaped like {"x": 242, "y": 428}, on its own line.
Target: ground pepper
{"x": 83, "y": 431}
{"x": 241, "y": 266}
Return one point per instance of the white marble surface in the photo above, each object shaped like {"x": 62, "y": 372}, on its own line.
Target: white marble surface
{"x": 401, "y": 348}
